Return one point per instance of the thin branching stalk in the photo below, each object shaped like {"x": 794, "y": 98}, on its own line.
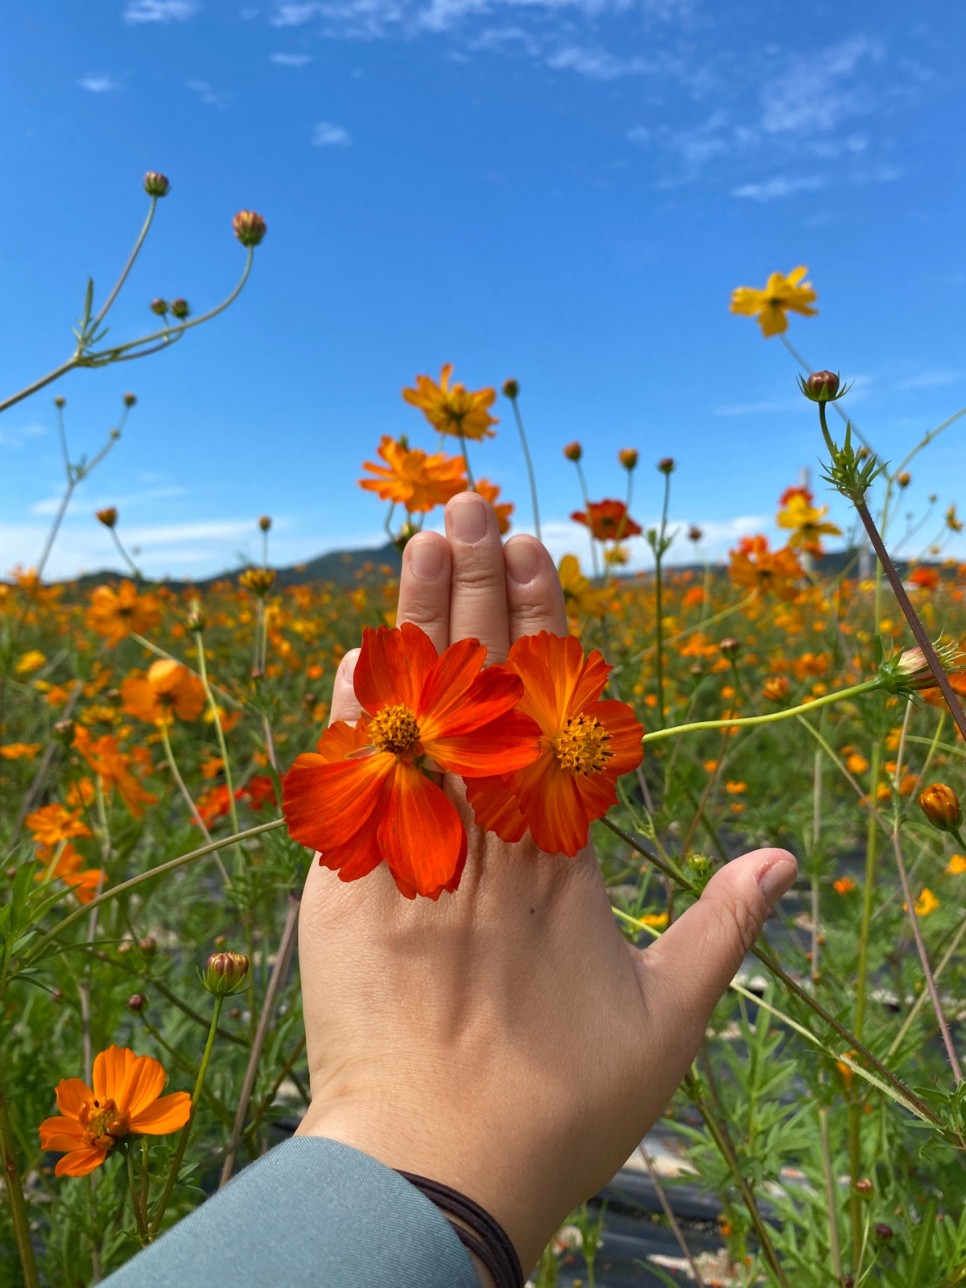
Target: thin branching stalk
{"x": 529, "y": 464}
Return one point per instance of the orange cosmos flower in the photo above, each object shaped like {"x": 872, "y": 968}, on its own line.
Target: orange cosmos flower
{"x": 124, "y": 1100}
{"x": 112, "y": 767}
{"x": 367, "y": 795}
{"x": 117, "y": 613}
{"x": 755, "y": 566}
{"x": 608, "y": 520}
{"x": 585, "y": 746}
{"x": 68, "y": 866}
{"x": 453, "y": 410}
{"x": 52, "y": 824}
{"x": 490, "y": 491}
{"x": 416, "y": 480}
{"x": 20, "y": 750}
{"x": 780, "y": 295}
{"x": 925, "y": 577}
{"x": 168, "y": 690}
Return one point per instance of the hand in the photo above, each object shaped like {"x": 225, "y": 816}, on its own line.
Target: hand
{"x": 505, "y": 1040}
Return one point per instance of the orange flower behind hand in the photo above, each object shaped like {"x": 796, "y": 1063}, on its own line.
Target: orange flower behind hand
{"x": 117, "y": 613}
{"x": 585, "y": 746}
{"x": 608, "y": 520}
{"x": 413, "y": 478}
{"x": 126, "y": 1098}
{"x": 168, "y": 690}
{"x": 367, "y": 795}
{"x": 453, "y": 410}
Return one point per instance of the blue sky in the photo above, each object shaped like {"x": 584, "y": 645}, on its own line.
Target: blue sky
{"x": 562, "y": 191}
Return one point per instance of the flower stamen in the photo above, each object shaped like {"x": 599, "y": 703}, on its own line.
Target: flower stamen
{"x": 394, "y": 729}
{"x": 583, "y": 745}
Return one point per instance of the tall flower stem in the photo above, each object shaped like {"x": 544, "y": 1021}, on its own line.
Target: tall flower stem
{"x": 18, "y": 1206}
{"x": 769, "y": 717}
{"x": 175, "y": 1167}
{"x": 38, "y": 948}
{"x": 659, "y": 548}
{"x": 466, "y": 459}
{"x": 219, "y": 731}
{"x": 529, "y": 463}
{"x": 186, "y": 795}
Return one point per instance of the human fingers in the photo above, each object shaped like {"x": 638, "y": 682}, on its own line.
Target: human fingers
{"x": 534, "y": 598}
{"x": 478, "y": 603}
{"x": 424, "y": 586}
{"x": 345, "y": 704}
{"x": 685, "y": 972}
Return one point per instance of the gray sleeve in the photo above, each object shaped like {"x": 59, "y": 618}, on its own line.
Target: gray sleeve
{"x": 311, "y": 1213}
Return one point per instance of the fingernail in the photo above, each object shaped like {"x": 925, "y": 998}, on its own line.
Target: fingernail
{"x": 521, "y": 561}
{"x": 426, "y": 558}
{"x": 776, "y": 879}
{"x": 468, "y": 519}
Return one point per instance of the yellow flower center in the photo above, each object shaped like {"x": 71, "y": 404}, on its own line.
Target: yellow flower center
{"x": 104, "y": 1123}
{"x": 583, "y": 745}
{"x": 394, "y": 729}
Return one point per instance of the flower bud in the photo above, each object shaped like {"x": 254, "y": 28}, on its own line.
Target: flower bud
{"x": 156, "y": 185}
{"x": 904, "y": 478}
{"x": 195, "y": 620}
{"x": 573, "y": 451}
{"x": 776, "y": 689}
{"x": 730, "y": 647}
{"x": 180, "y": 309}
{"x": 695, "y": 533}
{"x": 511, "y": 388}
{"x": 941, "y": 806}
{"x": 136, "y": 1003}
{"x": 249, "y": 227}
{"x": 60, "y": 402}
{"x": 666, "y": 465}
{"x": 148, "y": 945}
{"x": 884, "y": 1232}
{"x": 225, "y": 973}
{"x": 628, "y": 458}
{"x": 864, "y": 1187}
{"x": 404, "y": 536}
{"x": 258, "y": 580}
{"x": 264, "y": 523}
{"x": 64, "y": 732}
{"x": 107, "y": 516}
{"x": 159, "y": 306}
{"x": 822, "y": 386}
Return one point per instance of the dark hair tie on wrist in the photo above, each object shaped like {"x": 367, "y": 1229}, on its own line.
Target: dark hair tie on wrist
{"x": 493, "y": 1247}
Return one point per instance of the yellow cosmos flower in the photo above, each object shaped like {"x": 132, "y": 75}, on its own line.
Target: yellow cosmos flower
{"x": 31, "y": 661}
{"x": 806, "y": 525}
{"x": 956, "y": 865}
{"x": 780, "y": 295}
{"x": 453, "y": 410}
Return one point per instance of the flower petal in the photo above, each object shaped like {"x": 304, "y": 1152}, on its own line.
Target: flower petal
{"x": 325, "y": 803}
{"x": 111, "y": 1070}
{"x": 442, "y": 704}
{"x": 500, "y": 747}
{"x": 495, "y": 807}
{"x": 165, "y": 1114}
{"x": 79, "y": 1162}
{"x": 421, "y": 833}
{"x": 393, "y": 666}
{"x": 61, "y": 1134}
{"x": 72, "y": 1093}
{"x": 145, "y": 1082}
{"x": 554, "y": 809}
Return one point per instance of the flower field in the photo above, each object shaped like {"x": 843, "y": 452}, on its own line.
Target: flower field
{"x": 151, "y": 1036}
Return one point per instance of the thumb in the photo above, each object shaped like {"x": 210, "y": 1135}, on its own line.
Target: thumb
{"x": 685, "y": 972}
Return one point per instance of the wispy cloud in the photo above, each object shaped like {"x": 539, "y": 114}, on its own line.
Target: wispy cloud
{"x": 595, "y": 63}
{"x": 934, "y": 378}
{"x": 20, "y": 435}
{"x": 327, "y": 135}
{"x": 50, "y": 505}
{"x": 818, "y": 91}
{"x": 779, "y": 186}
{"x": 160, "y": 10}
{"x": 210, "y": 97}
{"x": 290, "y": 60}
{"x": 98, "y": 84}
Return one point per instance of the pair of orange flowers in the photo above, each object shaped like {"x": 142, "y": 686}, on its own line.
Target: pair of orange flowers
{"x": 538, "y": 749}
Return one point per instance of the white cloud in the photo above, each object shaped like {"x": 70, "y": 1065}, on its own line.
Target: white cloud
{"x": 98, "y": 84}
{"x": 290, "y": 60}
{"x": 780, "y": 186}
{"x": 21, "y": 434}
{"x": 210, "y": 97}
{"x": 817, "y": 90}
{"x": 934, "y": 378}
{"x": 597, "y": 64}
{"x": 327, "y": 135}
{"x": 159, "y": 11}
{"x": 51, "y": 505}
{"x": 295, "y": 15}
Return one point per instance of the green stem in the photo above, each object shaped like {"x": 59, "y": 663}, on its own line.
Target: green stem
{"x": 136, "y": 1198}
{"x": 186, "y": 1129}
{"x": 126, "y": 269}
{"x": 135, "y": 570}
{"x": 135, "y": 881}
{"x": 866, "y": 686}
{"x": 219, "y": 732}
{"x": 529, "y": 463}
{"x": 18, "y": 1206}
